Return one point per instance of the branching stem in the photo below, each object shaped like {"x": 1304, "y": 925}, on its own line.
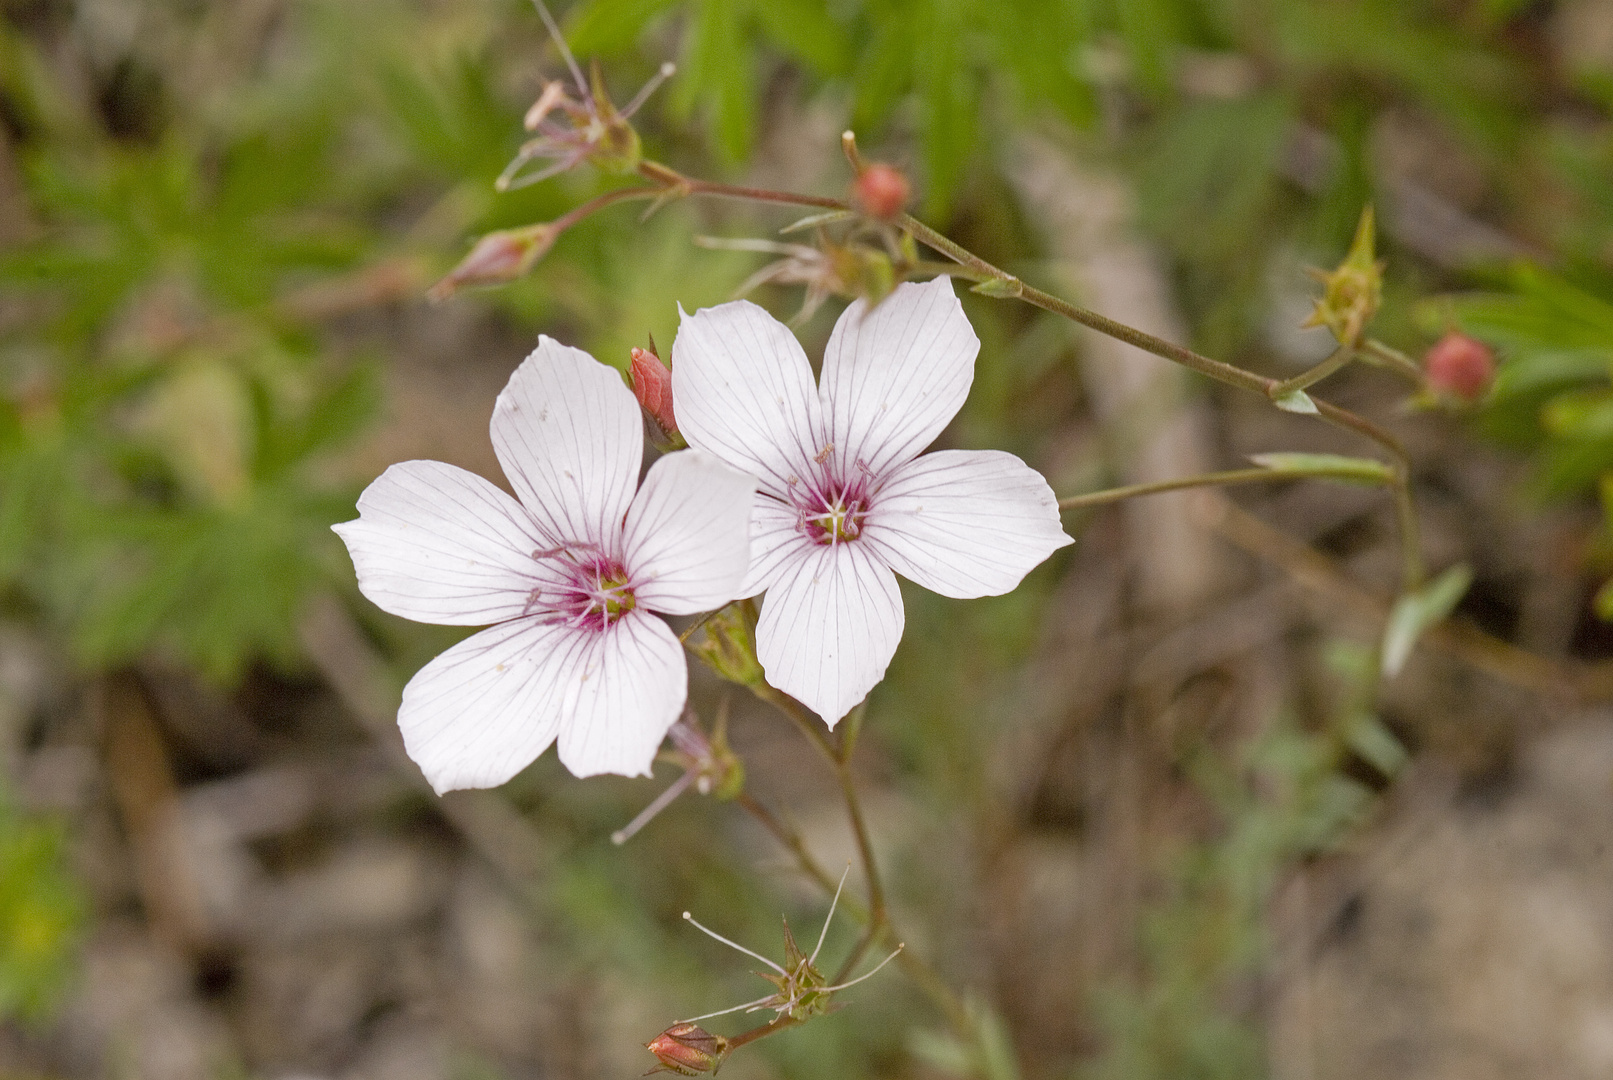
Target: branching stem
{"x": 1340, "y": 357}
{"x": 875, "y": 917}
{"x": 1215, "y": 479}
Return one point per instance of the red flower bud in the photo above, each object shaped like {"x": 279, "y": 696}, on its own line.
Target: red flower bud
{"x": 882, "y": 191}
{"x": 496, "y": 258}
{"x": 1460, "y": 366}
{"x": 652, "y": 385}
{"x": 688, "y": 1050}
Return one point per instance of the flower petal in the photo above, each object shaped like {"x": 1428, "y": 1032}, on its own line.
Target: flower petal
{"x": 775, "y": 540}
{"x": 570, "y": 438}
{"x": 435, "y": 543}
{"x": 965, "y": 523}
{"x": 743, "y": 391}
{"x": 895, "y": 376}
{"x": 485, "y": 709}
{"x": 631, "y": 694}
{"x": 829, "y": 627}
{"x": 687, "y": 542}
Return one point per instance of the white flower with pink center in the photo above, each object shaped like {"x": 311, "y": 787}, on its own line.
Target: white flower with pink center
{"x": 845, "y": 502}
{"x": 570, "y": 575}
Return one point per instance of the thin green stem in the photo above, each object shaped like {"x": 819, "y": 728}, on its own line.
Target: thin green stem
{"x": 791, "y": 840}
{"x": 670, "y": 182}
{"x": 600, "y": 202}
{"x": 803, "y": 720}
{"x": 848, "y": 791}
{"x": 1215, "y": 479}
{"x": 761, "y": 1031}
{"x": 1339, "y": 358}
{"x": 1410, "y": 540}
{"x": 1375, "y": 351}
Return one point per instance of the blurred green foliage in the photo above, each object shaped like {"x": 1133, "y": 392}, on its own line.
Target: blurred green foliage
{"x": 1282, "y": 795}
{"x": 42, "y": 910}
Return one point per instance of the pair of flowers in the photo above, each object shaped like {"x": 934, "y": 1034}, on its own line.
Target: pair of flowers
{"x": 814, "y": 493}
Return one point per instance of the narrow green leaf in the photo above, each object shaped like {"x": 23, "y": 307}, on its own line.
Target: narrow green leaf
{"x": 1003, "y": 288}
{"x": 1296, "y": 401}
{"x": 605, "y": 27}
{"x": 812, "y": 221}
{"x": 1332, "y": 466}
{"x": 804, "y": 29}
{"x": 1377, "y": 745}
{"x": 1415, "y": 612}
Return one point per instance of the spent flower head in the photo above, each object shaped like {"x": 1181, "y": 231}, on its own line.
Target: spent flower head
{"x": 844, "y": 500}
{"x": 847, "y": 270}
{"x": 801, "y": 991}
{"x": 590, "y": 127}
{"x": 709, "y": 765}
{"x": 568, "y": 574}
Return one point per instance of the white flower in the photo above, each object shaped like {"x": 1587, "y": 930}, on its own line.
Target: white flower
{"x": 569, "y": 574}
{"x": 844, "y": 498}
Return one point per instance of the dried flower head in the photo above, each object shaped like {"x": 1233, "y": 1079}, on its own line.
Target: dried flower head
{"x": 847, "y": 270}
{"x": 593, "y": 129}
{"x": 709, "y": 766}
{"x": 802, "y": 991}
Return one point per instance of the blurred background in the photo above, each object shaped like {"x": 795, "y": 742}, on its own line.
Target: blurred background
{"x": 1152, "y": 813}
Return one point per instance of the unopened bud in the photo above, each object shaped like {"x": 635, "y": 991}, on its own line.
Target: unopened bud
{"x": 729, "y": 644}
{"x": 497, "y": 258}
{"x": 881, "y": 191}
{"x": 1460, "y": 366}
{"x": 688, "y": 1050}
{"x": 652, "y": 385}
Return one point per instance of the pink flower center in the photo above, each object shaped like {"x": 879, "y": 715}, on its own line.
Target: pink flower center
{"x": 595, "y": 590}
{"x": 831, "y": 513}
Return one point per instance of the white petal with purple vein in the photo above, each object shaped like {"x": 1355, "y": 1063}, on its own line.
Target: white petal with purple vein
{"x": 896, "y": 375}
{"x": 570, "y": 437}
{"x": 775, "y": 539}
{"x": 435, "y": 543}
{"x": 485, "y": 709}
{"x": 743, "y": 391}
{"x": 965, "y": 523}
{"x": 630, "y": 695}
{"x": 687, "y": 541}
{"x": 829, "y": 626}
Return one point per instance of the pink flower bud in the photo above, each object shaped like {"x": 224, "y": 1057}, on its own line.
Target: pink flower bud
{"x": 1460, "y": 366}
{"x": 688, "y": 1050}
{"x": 497, "y": 258}
{"x": 652, "y": 385}
{"x": 882, "y": 191}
